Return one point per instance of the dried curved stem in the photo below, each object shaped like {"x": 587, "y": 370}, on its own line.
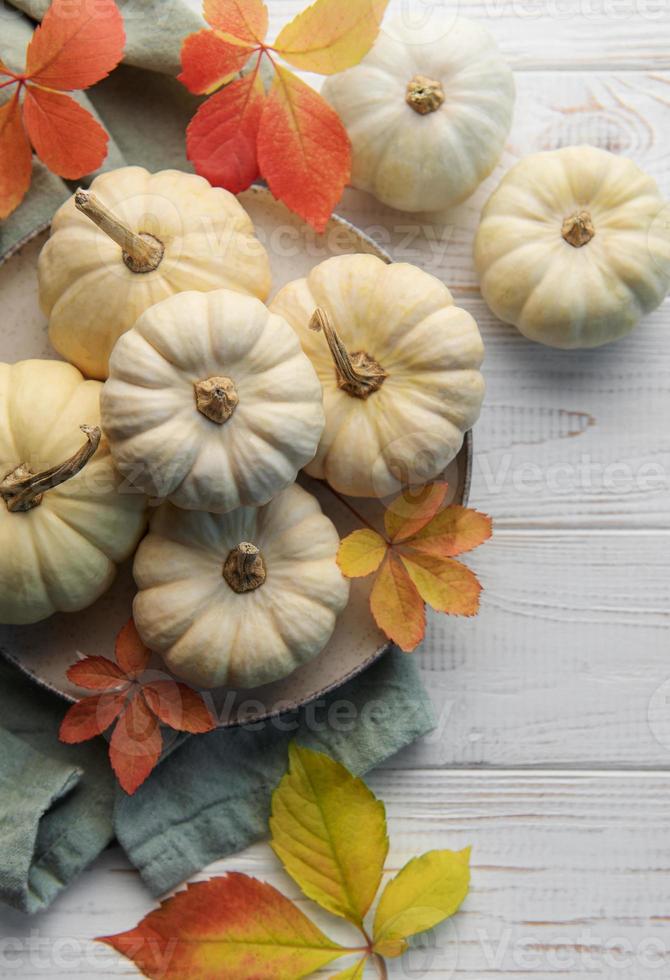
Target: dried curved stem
{"x": 23, "y": 490}
{"x": 141, "y": 252}
{"x": 359, "y": 374}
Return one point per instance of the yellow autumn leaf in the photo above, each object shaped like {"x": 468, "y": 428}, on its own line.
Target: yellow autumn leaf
{"x": 426, "y": 891}
{"x": 331, "y": 35}
{"x": 413, "y": 509}
{"x": 329, "y": 831}
{"x": 445, "y": 584}
{"x": 361, "y": 553}
{"x": 354, "y": 972}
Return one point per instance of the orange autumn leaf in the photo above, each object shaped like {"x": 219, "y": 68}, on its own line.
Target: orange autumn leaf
{"x": 131, "y": 654}
{"x": 411, "y": 511}
{"x": 312, "y": 169}
{"x": 15, "y": 157}
{"x": 221, "y": 137}
{"x": 136, "y": 706}
{"x": 416, "y": 562}
{"x": 91, "y": 716}
{"x": 66, "y": 137}
{"x": 209, "y": 61}
{"x": 331, "y": 35}
{"x": 178, "y": 706}
{"x": 75, "y": 46}
{"x": 396, "y": 606}
{"x": 244, "y": 20}
{"x": 136, "y": 744}
{"x": 232, "y": 926}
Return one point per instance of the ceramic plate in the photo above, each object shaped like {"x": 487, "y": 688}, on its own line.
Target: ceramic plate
{"x": 45, "y": 650}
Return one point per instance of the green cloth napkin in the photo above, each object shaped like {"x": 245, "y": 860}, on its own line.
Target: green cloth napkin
{"x": 210, "y": 796}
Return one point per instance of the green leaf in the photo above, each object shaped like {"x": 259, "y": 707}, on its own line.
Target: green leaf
{"x": 426, "y": 891}
{"x": 329, "y": 831}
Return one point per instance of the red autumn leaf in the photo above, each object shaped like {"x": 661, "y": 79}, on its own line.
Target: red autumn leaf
{"x": 136, "y": 744}
{"x": 410, "y": 512}
{"x": 91, "y": 716}
{"x": 244, "y": 20}
{"x": 178, "y": 706}
{"x": 209, "y": 61}
{"x": 304, "y": 152}
{"x": 96, "y": 674}
{"x": 131, "y": 654}
{"x": 233, "y": 926}
{"x": 15, "y": 157}
{"x": 76, "y": 45}
{"x": 397, "y": 607}
{"x": 221, "y": 137}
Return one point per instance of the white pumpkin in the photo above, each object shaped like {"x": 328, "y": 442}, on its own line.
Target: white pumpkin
{"x": 240, "y": 599}
{"x": 399, "y": 365}
{"x": 66, "y": 520}
{"x": 427, "y": 110}
{"x": 574, "y": 247}
{"x": 158, "y": 234}
{"x": 211, "y": 402}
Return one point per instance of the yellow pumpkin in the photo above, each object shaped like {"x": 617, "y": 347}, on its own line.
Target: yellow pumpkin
{"x": 134, "y": 239}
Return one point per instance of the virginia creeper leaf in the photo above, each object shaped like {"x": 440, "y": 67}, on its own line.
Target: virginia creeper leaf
{"x": 178, "y": 706}
{"x": 221, "y": 137}
{"x": 91, "y": 716}
{"x": 426, "y": 891}
{"x": 445, "y": 584}
{"x": 354, "y": 972}
{"x": 209, "y": 61}
{"x": 96, "y": 674}
{"x": 412, "y": 510}
{"x": 331, "y": 35}
{"x": 304, "y": 152}
{"x": 76, "y": 44}
{"x": 135, "y": 746}
{"x": 131, "y": 654}
{"x": 244, "y": 20}
{"x": 361, "y": 553}
{"x": 396, "y": 605}
{"x": 452, "y": 532}
{"x": 66, "y": 137}
{"x": 233, "y": 926}
{"x": 329, "y": 831}
{"x": 16, "y": 158}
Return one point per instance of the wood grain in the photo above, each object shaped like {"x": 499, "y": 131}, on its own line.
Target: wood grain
{"x": 570, "y": 877}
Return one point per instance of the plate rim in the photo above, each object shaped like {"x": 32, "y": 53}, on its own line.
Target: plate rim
{"x": 336, "y": 220}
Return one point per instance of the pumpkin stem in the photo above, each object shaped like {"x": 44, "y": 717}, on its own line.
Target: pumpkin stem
{"x": 358, "y": 374}
{"x": 22, "y": 490}
{"x": 578, "y": 229}
{"x": 244, "y": 568}
{"x": 216, "y": 398}
{"x": 141, "y": 252}
{"x": 424, "y": 95}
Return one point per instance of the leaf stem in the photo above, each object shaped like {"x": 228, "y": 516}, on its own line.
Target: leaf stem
{"x": 380, "y": 965}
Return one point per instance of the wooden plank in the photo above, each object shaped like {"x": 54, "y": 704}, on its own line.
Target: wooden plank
{"x": 546, "y": 34}
{"x": 570, "y": 876}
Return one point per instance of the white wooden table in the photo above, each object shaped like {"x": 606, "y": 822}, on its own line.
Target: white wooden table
{"x": 552, "y": 753}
